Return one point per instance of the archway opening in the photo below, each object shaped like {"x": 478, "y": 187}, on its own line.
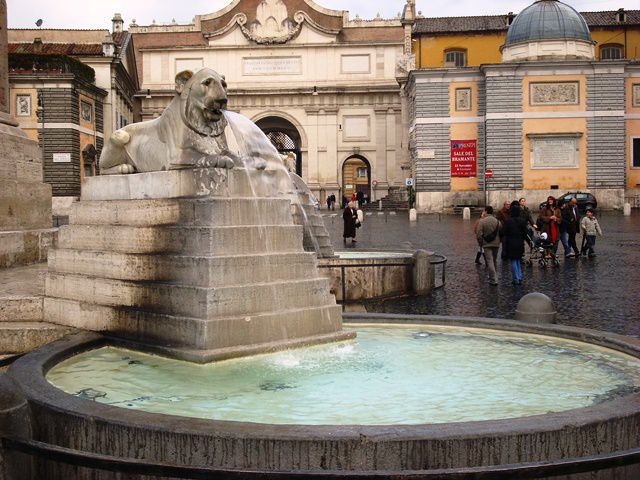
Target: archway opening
{"x": 356, "y": 177}
{"x": 284, "y": 136}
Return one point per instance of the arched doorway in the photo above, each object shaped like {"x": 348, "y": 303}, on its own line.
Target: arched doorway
{"x": 284, "y": 136}
{"x": 356, "y": 176}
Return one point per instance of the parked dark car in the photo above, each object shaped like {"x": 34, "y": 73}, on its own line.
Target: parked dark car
{"x": 585, "y": 200}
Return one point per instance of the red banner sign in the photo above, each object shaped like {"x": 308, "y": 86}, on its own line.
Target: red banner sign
{"x": 464, "y": 158}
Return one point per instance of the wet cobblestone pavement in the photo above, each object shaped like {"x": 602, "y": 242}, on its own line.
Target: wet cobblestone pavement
{"x": 600, "y": 293}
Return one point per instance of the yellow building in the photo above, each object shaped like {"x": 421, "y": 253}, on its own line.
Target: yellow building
{"x": 544, "y": 106}
{"x": 474, "y": 41}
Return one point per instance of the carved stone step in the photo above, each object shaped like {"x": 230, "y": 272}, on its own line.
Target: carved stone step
{"x": 189, "y": 211}
{"x": 21, "y": 337}
{"x": 189, "y": 300}
{"x": 177, "y": 331}
{"x": 184, "y": 240}
{"x": 237, "y": 182}
{"x": 203, "y": 271}
{"x": 20, "y": 308}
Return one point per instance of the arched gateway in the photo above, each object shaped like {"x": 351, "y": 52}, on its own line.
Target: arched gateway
{"x": 284, "y": 136}
{"x": 356, "y": 176}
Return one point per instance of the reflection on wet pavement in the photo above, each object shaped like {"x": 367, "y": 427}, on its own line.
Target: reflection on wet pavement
{"x": 595, "y": 293}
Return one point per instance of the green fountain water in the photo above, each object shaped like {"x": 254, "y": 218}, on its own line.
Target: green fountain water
{"x": 388, "y": 375}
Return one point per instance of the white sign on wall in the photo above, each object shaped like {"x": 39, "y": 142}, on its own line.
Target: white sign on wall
{"x": 61, "y": 158}
{"x": 192, "y": 64}
{"x": 272, "y": 66}
{"x": 355, "y": 127}
{"x": 355, "y": 63}
{"x": 554, "y": 152}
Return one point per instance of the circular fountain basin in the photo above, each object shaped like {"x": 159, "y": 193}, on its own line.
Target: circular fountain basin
{"x": 390, "y": 374}
{"x": 550, "y": 393}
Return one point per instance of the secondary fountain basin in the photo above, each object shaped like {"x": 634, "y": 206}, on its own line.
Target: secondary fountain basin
{"x": 375, "y": 273}
{"x": 598, "y": 419}
{"x": 390, "y": 374}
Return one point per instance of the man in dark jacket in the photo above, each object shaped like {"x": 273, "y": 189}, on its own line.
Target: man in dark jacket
{"x": 488, "y": 236}
{"x": 572, "y": 218}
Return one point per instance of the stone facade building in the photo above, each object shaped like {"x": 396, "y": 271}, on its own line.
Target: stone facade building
{"x": 82, "y": 89}
{"x": 321, "y": 85}
{"x": 535, "y": 100}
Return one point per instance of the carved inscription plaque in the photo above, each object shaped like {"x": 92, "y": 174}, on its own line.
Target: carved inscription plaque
{"x": 272, "y": 66}
{"x": 554, "y": 152}
{"x": 463, "y": 99}
{"x": 554, "y": 93}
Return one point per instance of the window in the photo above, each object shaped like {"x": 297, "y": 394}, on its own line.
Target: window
{"x": 86, "y": 111}
{"x": 23, "y": 106}
{"x": 635, "y": 152}
{"x": 611, "y": 51}
{"x": 361, "y": 172}
{"x": 455, "y": 58}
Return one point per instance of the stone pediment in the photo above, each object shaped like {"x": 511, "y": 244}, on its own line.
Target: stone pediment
{"x": 271, "y": 21}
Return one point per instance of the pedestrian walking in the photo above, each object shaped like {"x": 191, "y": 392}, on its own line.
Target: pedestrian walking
{"x": 590, "y": 228}
{"x": 480, "y": 250}
{"x": 488, "y": 236}
{"x": 514, "y": 232}
{"x": 573, "y": 225}
{"x": 564, "y": 229}
{"x": 349, "y": 217}
{"x": 525, "y": 213}
{"x": 502, "y": 216}
{"x": 550, "y": 218}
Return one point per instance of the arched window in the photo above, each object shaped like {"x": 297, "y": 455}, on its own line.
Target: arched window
{"x": 455, "y": 58}
{"x": 611, "y": 51}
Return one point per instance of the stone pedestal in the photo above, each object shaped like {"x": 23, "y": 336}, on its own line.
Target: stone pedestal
{"x": 25, "y": 202}
{"x": 199, "y": 264}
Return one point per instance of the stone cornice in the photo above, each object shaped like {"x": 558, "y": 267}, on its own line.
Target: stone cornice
{"x": 299, "y": 17}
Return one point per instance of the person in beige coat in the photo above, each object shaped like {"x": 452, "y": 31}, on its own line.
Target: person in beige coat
{"x": 590, "y": 228}
{"x": 488, "y": 234}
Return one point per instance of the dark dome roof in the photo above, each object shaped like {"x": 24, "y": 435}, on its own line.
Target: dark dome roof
{"x": 548, "y": 20}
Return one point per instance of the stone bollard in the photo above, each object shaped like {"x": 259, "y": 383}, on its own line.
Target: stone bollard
{"x": 627, "y": 209}
{"x": 14, "y": 422}
{"x": 413, "y": 215}
{"x": 466, "y": 213}
{"x": 536, "y": 308}
{"x": 423, "y": 279}
{"x": 380, "y": 204}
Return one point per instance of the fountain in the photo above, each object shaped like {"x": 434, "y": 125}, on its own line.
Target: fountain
{"x": 197, "y": 257}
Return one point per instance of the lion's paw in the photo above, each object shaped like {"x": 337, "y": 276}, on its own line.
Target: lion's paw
{"x": 260, "y": 164}
{"x": 125, "y": 168}
{"x": 120, "y": 137}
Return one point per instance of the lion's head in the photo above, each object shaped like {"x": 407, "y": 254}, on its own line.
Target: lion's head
{"x": 203, "y": 97}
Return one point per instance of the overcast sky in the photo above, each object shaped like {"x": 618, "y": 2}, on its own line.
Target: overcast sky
{"x": 98, "y": 14}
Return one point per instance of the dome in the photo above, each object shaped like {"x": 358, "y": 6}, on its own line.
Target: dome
{"x": 548, "y": 20}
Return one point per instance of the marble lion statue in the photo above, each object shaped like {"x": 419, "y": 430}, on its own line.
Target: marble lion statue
{"x": 195, "y": 130}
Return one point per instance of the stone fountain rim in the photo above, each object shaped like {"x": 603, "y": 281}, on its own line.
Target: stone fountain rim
{"x": 30, "y": 371}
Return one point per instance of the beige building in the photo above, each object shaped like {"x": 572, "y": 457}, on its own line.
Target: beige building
{"x": 110, "y": 54}
{"x": 321, "y": 85}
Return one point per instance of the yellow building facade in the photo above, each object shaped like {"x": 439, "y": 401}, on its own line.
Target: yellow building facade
{"x": 549, "y": 111}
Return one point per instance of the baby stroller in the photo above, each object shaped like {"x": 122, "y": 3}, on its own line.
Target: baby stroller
{"x": 541, "y": 250}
